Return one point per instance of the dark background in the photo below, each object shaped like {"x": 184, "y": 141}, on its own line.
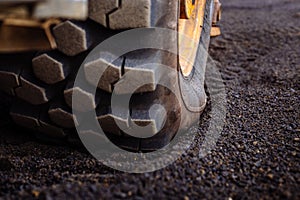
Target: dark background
{"x": 257, "y": 155}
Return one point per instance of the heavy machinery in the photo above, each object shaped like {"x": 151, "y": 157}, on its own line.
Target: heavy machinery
{"x": 44, "y": 42}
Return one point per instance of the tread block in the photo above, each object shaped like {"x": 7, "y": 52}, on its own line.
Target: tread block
{"x": 135, "y": 72}
{"x": 11, "y": 68}
{"x": 99, "y": 9}
{"x": 62, "y": 115}
{"x": 141, "y": 72}
{"x": 71, "y": 38}
{"x": 142, "y": 119}
{"x": 47, "y": 127}
{"x": 131, "y": 14}
{"x": 146, "y": 110}
{"x": 85, "y": 100}
{"x": 117, "y": 14}
{"x": 51, "y": 68}
{"x": 31, "y": 92}
{"x": 51, "y": 130}
{"x": 25, "y": 115}
{"x": 134, "y": 78}
{"x": 107, "y": 120}
{"x": 147, "y": 118}
{"x": 9, "y": 79}
{"x": 35, "y": 118}
{"x": 112, "y": 72}
{"x": 34, "y": 91}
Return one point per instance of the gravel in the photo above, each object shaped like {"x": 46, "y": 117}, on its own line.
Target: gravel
{"x": 257, "y": 155}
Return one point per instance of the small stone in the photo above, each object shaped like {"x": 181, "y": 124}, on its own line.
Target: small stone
{"x": 202, "y": 171}
{"x": 35, "y": 193}
{"x": 296, "y": 139}
{"x": 186, "y": 198}
{"x": 120, "y": 194}
{"x": 270, "y": 176}
{"x": 258, "y": 163}
{"x": 255, "y": 143}
{"x": 56, "y": 175}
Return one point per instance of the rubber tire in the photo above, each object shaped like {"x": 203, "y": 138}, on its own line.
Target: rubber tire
{"x": 42, "y": 85}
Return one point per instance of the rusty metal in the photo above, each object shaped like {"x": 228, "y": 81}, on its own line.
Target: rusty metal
{"x": 189, "y": 35}
{"x": 26, "y": 24}
{"x": 25, "y": 34}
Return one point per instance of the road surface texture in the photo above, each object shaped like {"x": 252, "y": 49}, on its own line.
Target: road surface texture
{"x": 257, "y": 155}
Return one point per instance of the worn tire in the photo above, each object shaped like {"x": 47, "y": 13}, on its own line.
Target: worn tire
{"x": 42, "y": 82}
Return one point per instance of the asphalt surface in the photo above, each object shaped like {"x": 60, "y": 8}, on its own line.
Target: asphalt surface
{"x": 257, "y": 155}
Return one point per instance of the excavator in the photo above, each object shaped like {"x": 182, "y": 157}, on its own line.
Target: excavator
{"x": 43, "y": 44}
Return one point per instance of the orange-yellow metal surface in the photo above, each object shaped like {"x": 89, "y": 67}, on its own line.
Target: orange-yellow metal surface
{"x": 26, "y": 34}
{"x": 190, "y": 26}
{"x": 186, "y": 8}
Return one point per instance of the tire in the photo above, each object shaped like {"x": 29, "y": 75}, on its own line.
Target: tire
{"x": 42, "y": 83}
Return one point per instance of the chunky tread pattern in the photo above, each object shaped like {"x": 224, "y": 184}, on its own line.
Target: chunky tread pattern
{"x": 35, "y": 118}
{"x": 19, "y": 80}
{"x": 26, "y": 116}
{"x": 51, "y": 67}
{"x": 131, "y": 14}
{"x": 110, "y": 70}
{"x": 139, "y": 68}
{"x": 9, "y": 79}
{"x": 10, "y": 70}
{"x": 108, "y": 121}
{"x": 62, "y": 115}
{"x": 71, "y": 38}
{"x": 121, "y": 14}
{"x": 86, "y": 100}
{"x": 98, "y": 11}
{"x": 33, "y": 90}
{"x": 54, "y": 117}
{"x": 147, "y": 113}
{"x": 125, "y": 72}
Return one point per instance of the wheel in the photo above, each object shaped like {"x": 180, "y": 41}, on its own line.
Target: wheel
{"x": 42, "y": 83}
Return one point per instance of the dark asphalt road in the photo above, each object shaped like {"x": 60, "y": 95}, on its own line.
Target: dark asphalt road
{"x": 257, "y": 155}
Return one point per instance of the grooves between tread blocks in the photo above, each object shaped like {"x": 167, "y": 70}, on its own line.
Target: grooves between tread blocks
{"x": 54, "y": 118}
{"x": 121, "y": 14}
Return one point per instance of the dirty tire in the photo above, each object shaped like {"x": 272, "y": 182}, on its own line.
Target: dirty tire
{"x": 42, "y": 82}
